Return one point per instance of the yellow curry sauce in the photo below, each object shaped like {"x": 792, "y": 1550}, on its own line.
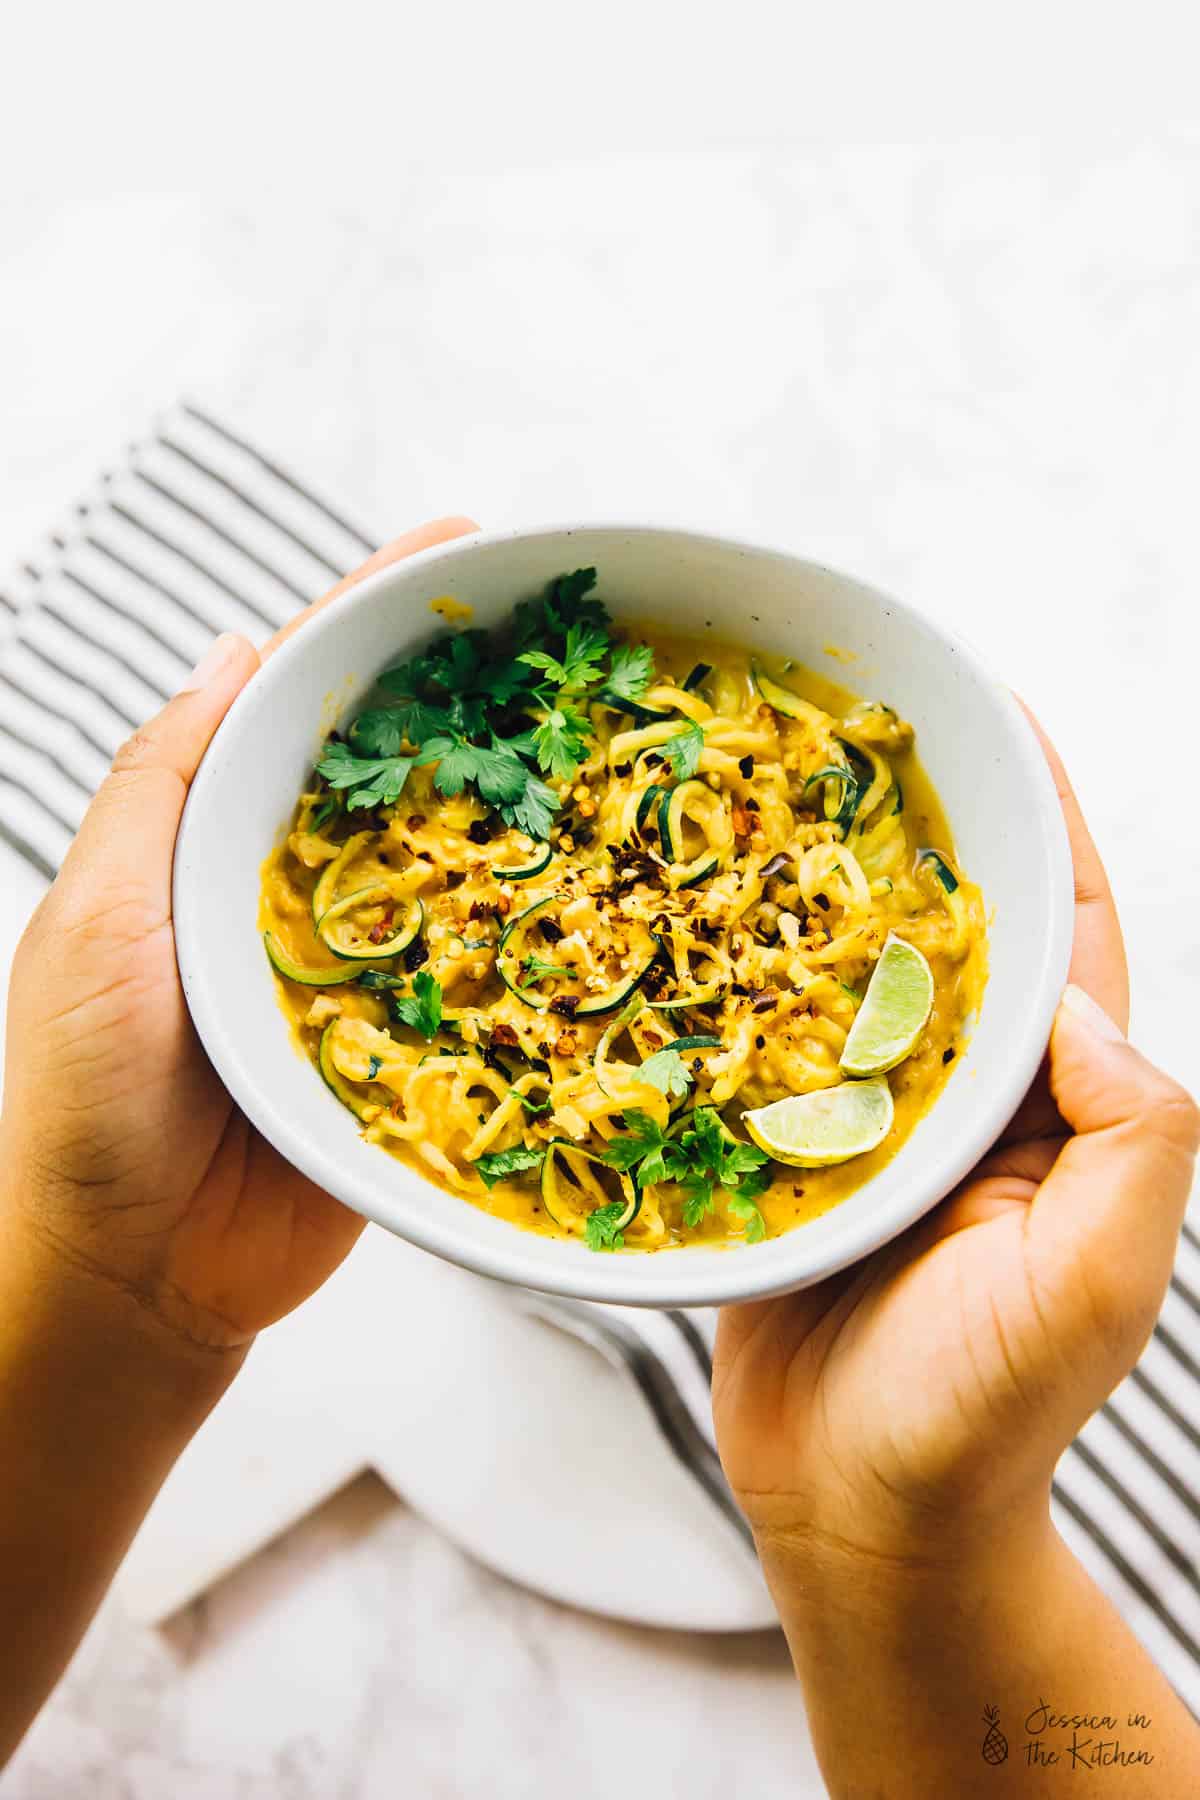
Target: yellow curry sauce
{"x": 756, "y": 892}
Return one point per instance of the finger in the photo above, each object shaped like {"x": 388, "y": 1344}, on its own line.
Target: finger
{"x": 1103, "y": 1225}
{"x": 437, "y": 531}
{"x": 122, "y": 852}
{"x": 1098, "y": 963}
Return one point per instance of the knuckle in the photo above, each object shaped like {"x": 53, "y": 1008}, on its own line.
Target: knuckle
{"x": 1173, "y": 1115}
{"x": 135, "y": 753}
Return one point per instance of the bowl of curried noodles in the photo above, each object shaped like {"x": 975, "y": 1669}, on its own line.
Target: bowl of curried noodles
{"x": 625, "y": 913}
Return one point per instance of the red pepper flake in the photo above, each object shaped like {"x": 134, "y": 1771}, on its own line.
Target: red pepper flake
{"x": 415, "y": 821}
{"x": 505, "y": 1035}
{"x": 378, "y": 932}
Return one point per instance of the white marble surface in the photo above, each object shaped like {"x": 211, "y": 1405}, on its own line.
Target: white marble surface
{"x": 970, "y": 371}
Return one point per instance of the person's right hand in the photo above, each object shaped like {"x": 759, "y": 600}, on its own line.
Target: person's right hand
{"x": 122, "y": 1158}
{"x": 922, "y": 1398}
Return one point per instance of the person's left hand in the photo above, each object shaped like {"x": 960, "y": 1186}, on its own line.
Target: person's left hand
{"x": 120, "y": 1151}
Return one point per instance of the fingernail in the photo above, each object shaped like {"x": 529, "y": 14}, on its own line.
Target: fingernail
{"x": 211, "y": 663}
{"x": 1093, "y": 1016}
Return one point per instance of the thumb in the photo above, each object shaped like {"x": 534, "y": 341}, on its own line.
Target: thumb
{"x": 123, "y": 850}
{"x": 1104, "y": 1223}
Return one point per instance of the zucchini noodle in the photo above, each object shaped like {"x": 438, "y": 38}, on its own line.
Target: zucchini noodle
{"x": 740, "y": 889}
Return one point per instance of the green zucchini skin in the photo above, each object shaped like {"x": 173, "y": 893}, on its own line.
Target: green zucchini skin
{"x": 551, "y": 1200}
{"x": 591, "y": 1006}
{"x": 401, "y": 938}
{"x": 301, "y": 972}
{"x": 651, "y": 801}
{"x": 941, "y": 869}
{"x": 699, "y": 674}
{"x": 333, "y": 1078}
{"x": 539, "y": 860}
{"x": 703, "y": 1042}
{"x": 641, "y": 715}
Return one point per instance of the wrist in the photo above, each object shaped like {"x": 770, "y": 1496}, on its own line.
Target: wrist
{"x": 62, "y": 1322}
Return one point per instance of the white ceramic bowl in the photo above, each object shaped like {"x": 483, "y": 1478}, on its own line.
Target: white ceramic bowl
{"x": 972, "y": 737}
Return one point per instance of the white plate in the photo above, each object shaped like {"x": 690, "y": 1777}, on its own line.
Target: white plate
{"x": 530, "y": 1451}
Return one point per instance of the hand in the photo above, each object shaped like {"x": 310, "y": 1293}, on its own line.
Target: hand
{"x": 121, "y": 1155}
{"x": 916, "y": 1401}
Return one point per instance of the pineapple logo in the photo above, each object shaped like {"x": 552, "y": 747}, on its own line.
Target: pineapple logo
{"x": 995, "y": 1744}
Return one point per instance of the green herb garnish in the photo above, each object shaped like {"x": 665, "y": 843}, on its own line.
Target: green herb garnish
{"x": 498, "y": 1163}
{"x": 703, "y": 1158}
{"x": 537, "y": 968}
{"x": 667, "y": 1071}
{"x": 422, "y": 1009}
{"x": 494, "y": 715}
{"x": 601, "y": 1231}
{"x": 683, "y": 750}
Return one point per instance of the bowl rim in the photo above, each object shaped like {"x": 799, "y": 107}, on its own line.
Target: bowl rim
{"x": 700, "y": 1277}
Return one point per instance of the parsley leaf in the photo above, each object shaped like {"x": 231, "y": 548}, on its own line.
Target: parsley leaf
{"x": 601, "y": 1228}
{"x": 742, "y": 1206}
{"x": 631, "y": 672}
{"x": 422, "y": 1009}
{"x": 667, "y": 1071}
{"x": 498, "y": 1163}
{"x": 534, "y": 812}
{"x": 372, "y": 781}
{"x": 496, "y": 770}
{"x": 698, "y": 1200}
{"x": 683, "y": 750}
{"x": 381, "y": 730}
{"x": 641, "y": 1139}
{"x": 702, "y": 1157}
{"x": 561, "y": 742}
{"x": 537, "y": 968}
{"x": 567, "y": 600}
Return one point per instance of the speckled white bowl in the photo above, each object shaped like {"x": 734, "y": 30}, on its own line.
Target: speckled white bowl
{"x": 973, "y": 739}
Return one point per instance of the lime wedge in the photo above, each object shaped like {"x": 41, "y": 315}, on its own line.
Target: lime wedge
{"x": 829, "y": 1126}
{"x": 893, "y": 1015}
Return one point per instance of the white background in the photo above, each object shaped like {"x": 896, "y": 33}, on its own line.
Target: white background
{"x": 915, "y": 291}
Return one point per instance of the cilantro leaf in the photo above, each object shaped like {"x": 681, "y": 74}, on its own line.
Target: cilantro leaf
{"x": 667, "y": 1071}
{"x": 498, "y": 1163}
{"x": 561, "y": 742}
{"x": 422, "y": 1009}
{"x": 631, "y": 672}
{"x": 372, "y": 781}
{"x": 601, "y": 1230}
{"x": 683, "y": 750}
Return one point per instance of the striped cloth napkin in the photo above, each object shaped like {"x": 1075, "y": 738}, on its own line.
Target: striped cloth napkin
{"x": 199, "y": 532}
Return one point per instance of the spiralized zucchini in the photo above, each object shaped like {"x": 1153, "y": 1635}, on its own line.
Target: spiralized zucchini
{"x": 745, "y": 898}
